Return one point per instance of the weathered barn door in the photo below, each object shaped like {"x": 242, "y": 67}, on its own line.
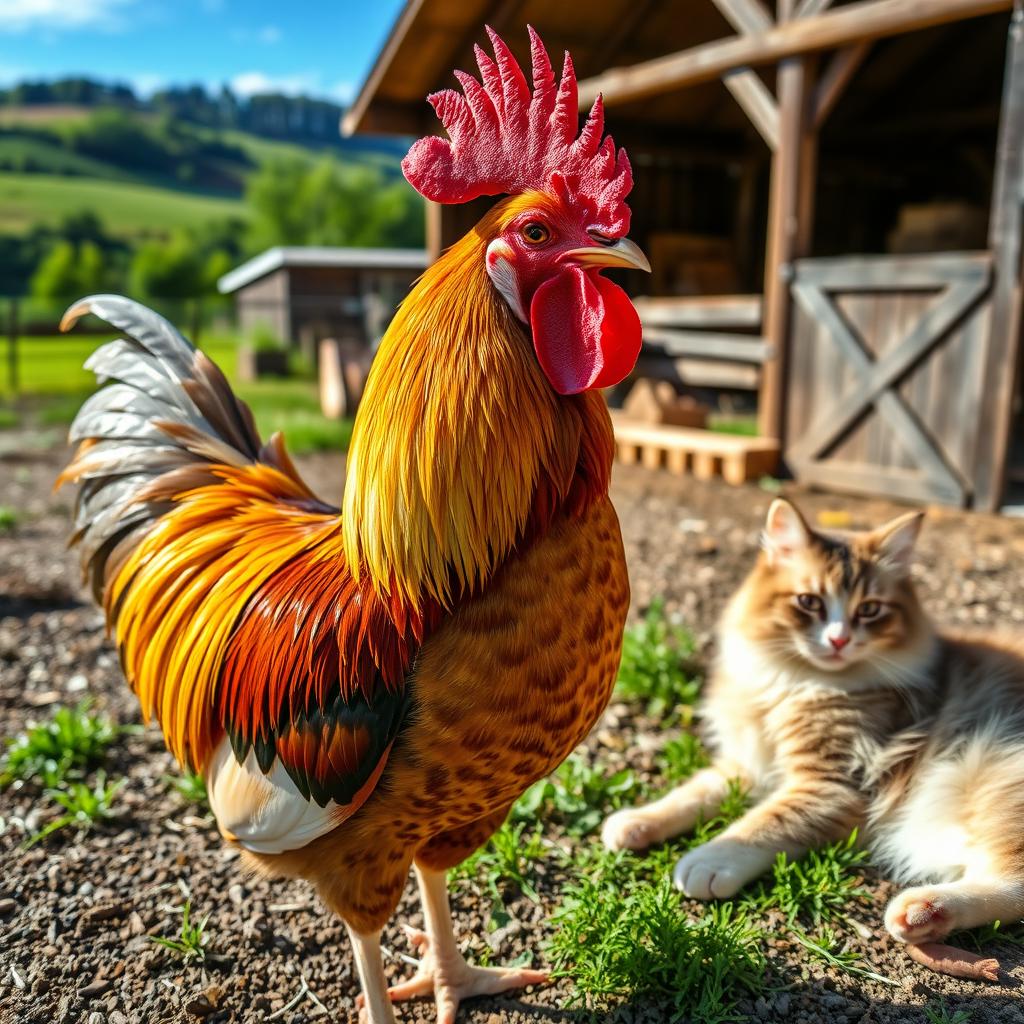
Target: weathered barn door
{"x": 886, "y": 373}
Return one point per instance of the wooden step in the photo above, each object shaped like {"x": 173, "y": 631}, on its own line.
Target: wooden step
{"x": 703, "y": 453}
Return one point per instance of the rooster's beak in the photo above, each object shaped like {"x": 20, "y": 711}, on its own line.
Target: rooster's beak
{"x": 621, "y": 253}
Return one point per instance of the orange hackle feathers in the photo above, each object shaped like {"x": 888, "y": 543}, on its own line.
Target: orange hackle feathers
{"x": 461, "y": 447}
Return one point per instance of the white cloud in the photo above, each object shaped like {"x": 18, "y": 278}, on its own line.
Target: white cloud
{"x": 146, "y": 83}
{"x": 60, "y": 15}
{"x": 249, "y": 83}
{"x": 341, "y": 92}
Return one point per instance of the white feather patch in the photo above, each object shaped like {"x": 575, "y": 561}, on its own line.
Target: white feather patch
{"x": 263, "y": 813}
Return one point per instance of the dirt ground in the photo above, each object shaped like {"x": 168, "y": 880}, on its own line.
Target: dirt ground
{"x": 75, "y": 914}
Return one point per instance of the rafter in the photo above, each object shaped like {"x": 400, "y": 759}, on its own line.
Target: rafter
{"x": 757, "y": 102}
{"x": 746, "y": 16}
{"x": 855, "y": 22}
{"x": 836, "y": 78}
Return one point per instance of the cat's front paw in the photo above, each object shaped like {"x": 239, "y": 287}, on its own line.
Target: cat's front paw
{"x": 920, "y": 915}
{"x": 629, "y": 830}
{"x": 719, "y": 869}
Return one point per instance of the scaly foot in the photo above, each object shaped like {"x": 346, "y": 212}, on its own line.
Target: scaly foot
{"x": 452, "y": 980}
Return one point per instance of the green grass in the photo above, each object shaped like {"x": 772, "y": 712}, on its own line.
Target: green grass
{"x": 72, "y": 742}
{"x": 654, "y": 671}
{"x": 941, "y": 1014}
{"x": 578, "y": 796}
{"x": 622, "y": 937}
{"x": 191, "y": 787}
{"x": 129, "y": 210}
{"x": 53, "y": 386}
{"x": 191, "y": 941}
{"x": 724, "y": 423}
{"x": 831, "y": 951}
{"x": 8, "y": 519}
{"x": 818, "y": 887}
{"x": 504, "y": 867}
{"x": 84, "y": 805}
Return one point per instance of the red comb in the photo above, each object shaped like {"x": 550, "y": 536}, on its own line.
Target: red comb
{"x": 503, "y": 138}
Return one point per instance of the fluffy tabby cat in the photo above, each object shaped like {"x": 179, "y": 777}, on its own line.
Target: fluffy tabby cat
{"x": 839, "y": 704}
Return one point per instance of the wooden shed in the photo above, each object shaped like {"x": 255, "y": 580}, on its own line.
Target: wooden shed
{"x": 303, "y": 294}
{"x": 831, "y": 194}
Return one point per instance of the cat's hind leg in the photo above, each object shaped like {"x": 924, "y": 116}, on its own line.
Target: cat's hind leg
{"x": 636, "y": 828}
{"x": 928, "y": 913}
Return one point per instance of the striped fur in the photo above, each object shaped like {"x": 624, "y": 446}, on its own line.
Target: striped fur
{"x": 912, "y": 736}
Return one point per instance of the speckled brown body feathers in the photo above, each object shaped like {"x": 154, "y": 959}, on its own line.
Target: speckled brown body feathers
{"x": 501, "y": 694}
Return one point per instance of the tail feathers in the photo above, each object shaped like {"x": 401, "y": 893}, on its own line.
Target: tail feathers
{"x": 169, "y": 417}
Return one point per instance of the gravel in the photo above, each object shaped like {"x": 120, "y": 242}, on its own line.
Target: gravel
{"x": 76, "y": 913}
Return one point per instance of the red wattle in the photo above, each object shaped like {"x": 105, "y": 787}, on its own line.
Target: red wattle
{"x": 586, "y": 332}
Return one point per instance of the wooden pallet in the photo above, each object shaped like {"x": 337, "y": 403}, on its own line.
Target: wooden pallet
{"x": 688, "y": 450}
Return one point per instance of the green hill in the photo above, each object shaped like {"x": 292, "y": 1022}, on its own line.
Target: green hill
{"x": 130, "y": 211}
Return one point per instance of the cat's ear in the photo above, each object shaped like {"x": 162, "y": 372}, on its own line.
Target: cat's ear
{"x": 785, "y": 531}
{"x": 895, "y": 541}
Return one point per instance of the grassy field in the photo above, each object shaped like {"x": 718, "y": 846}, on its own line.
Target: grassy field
{"x": 128, "y": 210}
{"x": 53, "y": 384}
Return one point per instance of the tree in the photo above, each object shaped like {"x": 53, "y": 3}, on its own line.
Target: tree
{"x": 69, "y": 272}
{"x": 167, "y": 270}
{"x": 327, "y": 204}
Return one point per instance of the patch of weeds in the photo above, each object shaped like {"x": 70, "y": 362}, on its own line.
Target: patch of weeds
{"x": 941, "y": 1014}
{"x": 826, "y": 948}
{"x": 505, "y": 862}
{"x": 682, "y": 757}
{"x": 817, "y": 887}
{"x": 70, "y": 743}
{"x": 621, "y": 940}
{"x": 8, "y": 419}
{"x": 190, "y": 786}
{"x": 8, "y": 519}
{"x": 733, "y": 807}
{"x": 84, "y": 806}
{"x": 192, "y": 939}
{"x": 986, "y": 934}
{"x": 578, "y": 795}
{"x": 654, "y": 670}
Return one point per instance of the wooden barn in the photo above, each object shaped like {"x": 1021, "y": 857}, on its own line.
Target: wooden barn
{"x": 831, "y": 194}
{"x": 303, "y": 294}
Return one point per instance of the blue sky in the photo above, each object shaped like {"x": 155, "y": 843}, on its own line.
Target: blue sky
{"x": 317, "y": 47}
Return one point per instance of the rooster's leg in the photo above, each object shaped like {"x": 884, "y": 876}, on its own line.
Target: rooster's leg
{"x": 443, "y": 970}
{"x": 375, "y": 1006}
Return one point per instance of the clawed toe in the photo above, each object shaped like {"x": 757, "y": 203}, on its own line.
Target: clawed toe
{"x": 453, "y": 980}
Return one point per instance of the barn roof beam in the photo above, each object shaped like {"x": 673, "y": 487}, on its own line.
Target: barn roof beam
{"x": 852, "y": 23}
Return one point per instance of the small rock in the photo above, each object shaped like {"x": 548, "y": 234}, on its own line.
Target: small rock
{"x": 199, "y": 1005}
{"x": 117, "y": 1017}
{"x": 136, "y": 926}
{"x": 97, "y": 1018}
{"x": 96, "y": 987}
{"x": 782, "y": 1005}
{"x": 7, "y": 906}
{"x": 77, "y": 683}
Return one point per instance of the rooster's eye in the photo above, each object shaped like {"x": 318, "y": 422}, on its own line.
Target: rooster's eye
{"x": 536, "y": 233}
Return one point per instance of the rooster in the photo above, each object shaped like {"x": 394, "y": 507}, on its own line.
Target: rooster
{"x": 370, "y": 688}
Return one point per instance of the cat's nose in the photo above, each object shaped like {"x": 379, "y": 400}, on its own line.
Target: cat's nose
{"x": 839, "y": 642}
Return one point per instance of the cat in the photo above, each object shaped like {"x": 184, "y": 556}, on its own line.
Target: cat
{"x": 837, "y": 703}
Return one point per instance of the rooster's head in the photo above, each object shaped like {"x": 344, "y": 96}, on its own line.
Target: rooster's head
{"x": 565, "y": 219}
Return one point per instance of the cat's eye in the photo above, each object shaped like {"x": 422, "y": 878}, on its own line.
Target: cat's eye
{"x": 869, "y": 610}
{"x": 536, "y": 233}
{"x": 810, "y": 603}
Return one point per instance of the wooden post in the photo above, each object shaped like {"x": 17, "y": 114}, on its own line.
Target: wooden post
{"x": 434, "y": 213}
{"x": 1003, "y": 361}
{"x": 12, "y": 346}
{"x": 785, "y": 234}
